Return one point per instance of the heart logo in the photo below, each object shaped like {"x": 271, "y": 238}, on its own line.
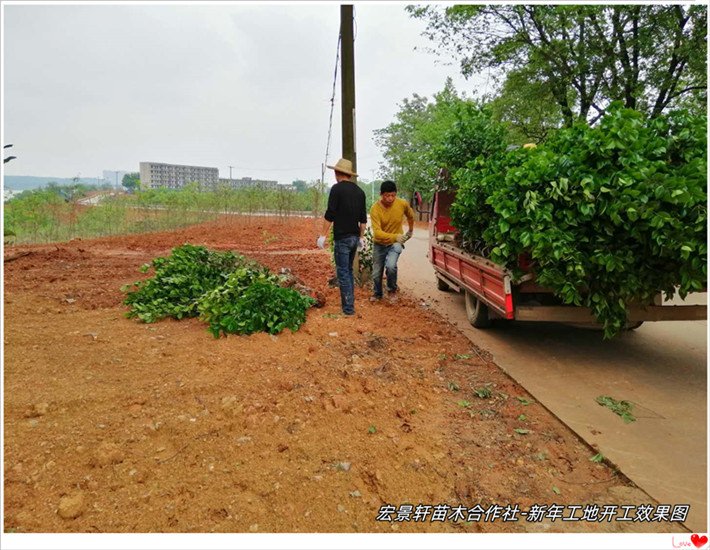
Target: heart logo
{"x": 699, "y": 541}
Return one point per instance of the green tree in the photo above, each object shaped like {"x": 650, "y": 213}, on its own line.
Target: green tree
{"x": 131, "y": 181}
{"x": 527, "y": 108}
{"x": 409, "y": 144}
{"x": 318, "y": 195}
{"x": 300, "y": 185}
{"x": 653, "y": 57}
{"x": 399, "y": 142}
{"x": 427, "y": 136}
{"x": 474, "y": 133}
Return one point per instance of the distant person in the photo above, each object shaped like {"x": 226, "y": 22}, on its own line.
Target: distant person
{"x": 386, "y": 216}
{"x": 348, "y": 214}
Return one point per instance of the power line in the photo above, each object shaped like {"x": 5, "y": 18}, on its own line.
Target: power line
{"x": 332, "y": 107}
{"x": 273, "y": 169}
{"x": 330, "y": 124}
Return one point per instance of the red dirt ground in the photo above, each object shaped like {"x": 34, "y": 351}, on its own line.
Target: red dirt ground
{"x": 112, "y": 425}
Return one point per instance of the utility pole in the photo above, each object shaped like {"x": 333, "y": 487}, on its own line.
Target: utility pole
{"x": 230, "y": 175}
{"x": 347, "y": 80}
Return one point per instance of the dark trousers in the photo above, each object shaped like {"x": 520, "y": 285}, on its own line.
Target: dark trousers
{"x": 345, "y": 249}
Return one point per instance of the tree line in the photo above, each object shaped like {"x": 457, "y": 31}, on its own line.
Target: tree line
{"x": 60, "y": 213}
{"x": 547, "y": 68}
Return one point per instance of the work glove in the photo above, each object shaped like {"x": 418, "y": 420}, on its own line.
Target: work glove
{"x": 320, "y": 241}
{"x": 361, "y": 244}
{"x": 401, "y": 239}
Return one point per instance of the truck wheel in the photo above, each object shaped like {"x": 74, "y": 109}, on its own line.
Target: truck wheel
{"x": 441, "y": 285}
{"x": 477, "y": 311}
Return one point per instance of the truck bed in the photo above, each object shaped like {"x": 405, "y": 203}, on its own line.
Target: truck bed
{"x": 488, "y": 280}
{"x": 494, "y": 286}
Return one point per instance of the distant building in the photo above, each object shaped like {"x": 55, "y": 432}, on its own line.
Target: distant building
{"x": 176, "y": 176}
{"x": 243, "y": 183}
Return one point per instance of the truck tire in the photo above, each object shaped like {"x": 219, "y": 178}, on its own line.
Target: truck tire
{"x": 477, "y": 311}
{"x": 441, "y": 285}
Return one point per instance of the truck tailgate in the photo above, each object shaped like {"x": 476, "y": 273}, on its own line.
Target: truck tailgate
{"x": 488, "y": 281}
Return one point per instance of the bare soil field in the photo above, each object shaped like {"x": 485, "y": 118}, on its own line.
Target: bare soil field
{"x": 112, "y": 425}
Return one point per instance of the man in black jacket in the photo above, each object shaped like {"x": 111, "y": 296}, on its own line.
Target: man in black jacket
{"x": 347, "y": 213}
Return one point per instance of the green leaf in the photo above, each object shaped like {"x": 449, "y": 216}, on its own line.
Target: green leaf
{"x": 621, "y": 408}
{"x": 483, "y": 393}
{"x": 524, "y": 401}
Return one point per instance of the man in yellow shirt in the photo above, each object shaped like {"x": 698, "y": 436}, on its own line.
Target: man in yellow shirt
{"x": 386, "y": 216}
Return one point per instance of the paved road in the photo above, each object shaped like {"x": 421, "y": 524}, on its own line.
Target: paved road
{"x": 661, "y": 367}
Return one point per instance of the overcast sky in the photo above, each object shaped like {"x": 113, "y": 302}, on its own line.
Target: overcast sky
{"x": 89, "y": 88}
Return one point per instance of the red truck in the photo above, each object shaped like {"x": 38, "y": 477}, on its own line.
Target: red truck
{"x": 493, "y": 293}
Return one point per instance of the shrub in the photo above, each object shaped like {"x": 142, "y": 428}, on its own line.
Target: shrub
{"x": 249, "y": 303}
{"x": 179, "y": 282}
{"x": 229, "y": 292}
{"x": 610, "y": 215}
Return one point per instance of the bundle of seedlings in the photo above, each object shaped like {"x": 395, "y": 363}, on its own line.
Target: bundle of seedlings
{"x": 609, "y": 215}
{"x": 226, "y": 290}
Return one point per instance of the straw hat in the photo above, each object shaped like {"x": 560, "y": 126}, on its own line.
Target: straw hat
{"x": 344, "y": 166}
